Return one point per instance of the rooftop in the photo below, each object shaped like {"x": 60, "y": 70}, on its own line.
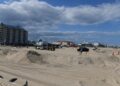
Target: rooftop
{"x": 11, "y": 26}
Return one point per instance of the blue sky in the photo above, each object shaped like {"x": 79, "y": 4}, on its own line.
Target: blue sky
{"x": 75, "y": 20}
{"x": 78, "y": 2}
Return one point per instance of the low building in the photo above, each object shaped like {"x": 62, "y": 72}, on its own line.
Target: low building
{"x": 66, "y": 43}
{"x": 90, "y": 44}
{"x": 86, "y": 44}
{"x": 11, "y": 35}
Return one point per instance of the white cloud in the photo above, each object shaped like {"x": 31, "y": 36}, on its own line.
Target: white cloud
{"x": 30, "y": 13}
{"x": 92, "y": 14}
{"x": 39, "y": 15}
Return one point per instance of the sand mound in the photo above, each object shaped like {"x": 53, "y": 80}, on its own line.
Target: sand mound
{"x": 60, "y": 58}
{"x": 101, "y": 58}
{"x": 35, "y": 57}
{"x": 25, "y": 56}
{"x": 4, "y": 52}
{"x": 17, "y": 57}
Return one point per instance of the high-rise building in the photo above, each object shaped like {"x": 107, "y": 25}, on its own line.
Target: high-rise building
{"x": 12, "y": 35}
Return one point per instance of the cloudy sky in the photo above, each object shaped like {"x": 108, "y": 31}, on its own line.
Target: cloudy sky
{"x": 76, "y": 20}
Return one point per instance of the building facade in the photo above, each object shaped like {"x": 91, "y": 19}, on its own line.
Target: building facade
{"x": 11, "y": 35}
{"x": 66, "y": 43}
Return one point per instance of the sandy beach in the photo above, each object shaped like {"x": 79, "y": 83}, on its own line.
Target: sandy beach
{"x": 63, "y": 67}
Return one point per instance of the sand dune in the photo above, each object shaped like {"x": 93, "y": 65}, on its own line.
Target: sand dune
{"x": 63, "y": 67}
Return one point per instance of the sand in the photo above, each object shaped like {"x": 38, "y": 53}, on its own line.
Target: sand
{"x": 63, "y": 67}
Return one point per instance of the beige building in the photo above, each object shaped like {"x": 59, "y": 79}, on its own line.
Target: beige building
{"x": 11, "y": 35}
{"x": 66, "y": 43}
